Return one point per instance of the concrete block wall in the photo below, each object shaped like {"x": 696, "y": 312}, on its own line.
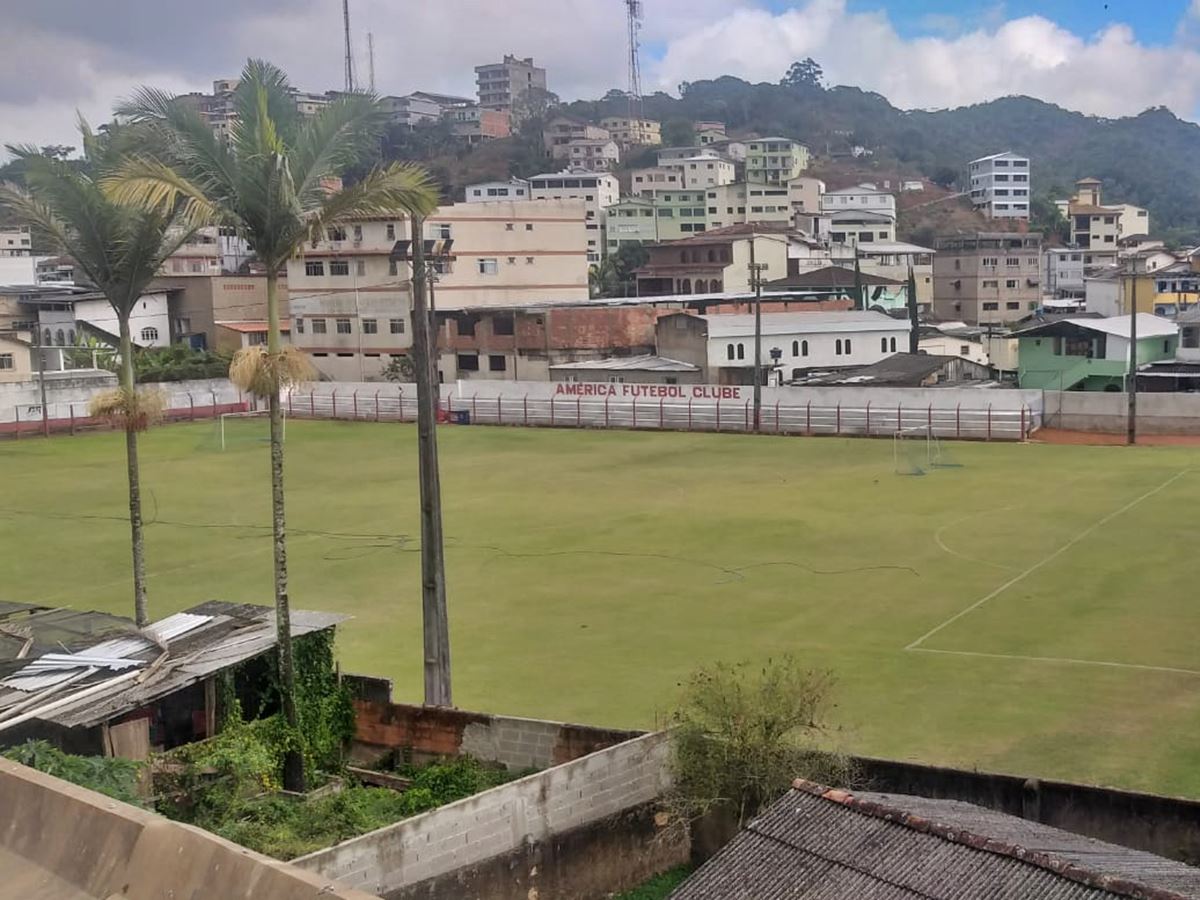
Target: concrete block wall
{"x": 501, "y": 821}
{"x": 1106, "y": 412}
{"x": 517, "y": 743}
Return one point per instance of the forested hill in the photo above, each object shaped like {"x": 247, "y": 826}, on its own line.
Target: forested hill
{"x": 1149, "y": 160}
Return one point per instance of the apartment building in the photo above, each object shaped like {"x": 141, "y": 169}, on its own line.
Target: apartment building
{"x": 633, "y": 132}
{"x": 715, "y": 261}
{"x": 593, "y": 156}
{"x": 475, "y": 124}
{"x": 987, "y": 277}
{"x": 670, "y": 156}
{"x": 413, "y": 110}
{"x": 200, "y": 255}
{"x": 866, "y": 197}
{"x": 16, "y": 240}
{"x": 1101, "y": 228}
{"x": 350, "y": 300}
{"x": 560, "y": 132}
{"x": 198, "y": 304}
{"x": 858, "y": 226}
{"x": 999, "y": 185}
{"x": 647, "y": 181}
{"x": 503, "y": 85}
{"x": 775, "y": 160}
{"x": 598, "y": 191}
{"x": 1063, "y": 272}
{"x": 491, "y": 191}
{"x": 631, "y": 220}
{"x": 704, "y": 171}
{"x": 732, "y": 204}
{"x": 709, "y": 133}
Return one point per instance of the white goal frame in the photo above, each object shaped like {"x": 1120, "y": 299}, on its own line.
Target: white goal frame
{"x": 252, "y": 414}
{"x": 933, "y": 447}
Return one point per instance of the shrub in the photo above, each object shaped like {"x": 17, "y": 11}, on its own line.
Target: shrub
{"x": 111, "y": 776}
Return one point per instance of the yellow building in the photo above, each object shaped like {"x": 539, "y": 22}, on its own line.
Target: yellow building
{"x": 15, "y": 364}
{"x": 633, "y": 132}
{"x": 350, "y": 300}
{"x": 775, "y": 160}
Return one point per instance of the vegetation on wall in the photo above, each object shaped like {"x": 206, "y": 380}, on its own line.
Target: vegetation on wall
{"x": 178, "y": 362}
{"x": 741, "y": 734}
{"x": 111, "y": 776}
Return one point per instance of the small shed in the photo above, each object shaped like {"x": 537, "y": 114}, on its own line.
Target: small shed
{"x": 93, "y": 683}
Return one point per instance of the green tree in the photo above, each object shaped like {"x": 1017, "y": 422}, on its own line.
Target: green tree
{"x": 119, "y": 248}
{"x": 741, "y": 733}
{"x": 277, "y": 181}
{"x": 1045, "y": 216}
{"x": 615, "y": 275}
{"x": 914, "y": 319}
{"x": 806, "y": 73}
{"x": 678, "y": 133}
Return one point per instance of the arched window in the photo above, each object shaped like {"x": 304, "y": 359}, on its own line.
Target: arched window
{"x": 729, "y": 350}
{"x": 683, "y": 256}
{"x": 149, "y": 334}
{"x": 883, "y": 345}
{"x": 695, "y": 256}
{"x": 685, "y": 286}
{"x": 701, "y": 286}
{"x": 60, "y": 338}
{"x": 712, "y": 256}
{"x": 47, "y": 340}
{"x": 847, "y": 346}
{"x": 837, "y": 347}
{"x": 715, "y": 287}
{"x": 795, "y": 348}
{"x": 71, "y": 337}
{"x": 893, "y": 345}
{"x": 741, "y": 351}
{"x": 804, "y": 348}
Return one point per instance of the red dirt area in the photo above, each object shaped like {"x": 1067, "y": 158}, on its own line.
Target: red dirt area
{"x": 1058, "y": 436}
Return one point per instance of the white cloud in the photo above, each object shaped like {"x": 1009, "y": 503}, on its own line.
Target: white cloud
{"x": 1108, "y": 73}
{"x": 52, "y": 64}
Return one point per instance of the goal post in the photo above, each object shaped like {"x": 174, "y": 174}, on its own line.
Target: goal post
{"x": 917, "y": 450}
{"x": 252, "y": 427}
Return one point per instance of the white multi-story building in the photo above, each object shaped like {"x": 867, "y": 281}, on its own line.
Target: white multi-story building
{"x": 505, "y": 85}
{"x": 490, "y": 191}
{"x": 866, "y": 197}
{"x": 1063, "y": 272}
{"x": 1000, "y": 185}
{"x": 654, "y": 178}
{"x": 704, "y": 171}
{"x": 594, "y": 156}
{"x": 349, "y": 298}
{"x": 16, "y": 240}
{"x": 598, "y": 191}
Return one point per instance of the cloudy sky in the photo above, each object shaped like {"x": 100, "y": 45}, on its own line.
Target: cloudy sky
{"x": 1109, "y": 58}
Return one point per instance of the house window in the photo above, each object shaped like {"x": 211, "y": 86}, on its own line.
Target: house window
{"x": 529, "y": 260}
{"x": 847, "y": 345}
{"x": 358, "y": 232}
{"x": 370, "y": 326}
{"x": 1012, "y": 261}
{"x": 148, "y": 334}
{"x": 893, "y": 345}
{"x": 508, "y": 226}
{"x": 729, "y": 351}
{"x": 502, "y": 325}
{"x": 1012, "y": 304}
{"x": 336, "y": 233}
{"x": 741, "y": 351}
{"x": 1011, "y": 283}
{"x": 318, "y": 326}
{"x": 343, "y": 326}
{"x": 298, "y": 326}
{"x": 990, "y": 284}
{"x": 1166, "y": 346}
{"x": 396, "y": 326}
{"x": 391, "y": 231}
{"x": 837, "y": 348}
{"x": 989, "y": 307}
{"x": 804, "y": 348}
{"x": 360, "y": 267}
{"x": 497, "y": 362}
{"x": 392, "y": 267}
{"x": 314, "y": 267}
{"x": 339, "y": 267}
{"x": 883, "y": 345}
{"x": 487, "y": 266}
{"x": 468, "y": 362}
{"x": 6, "y": 361}
{"x": 529, "y": 226}
{"x": 991, "y": 261}
{"x": 441, "y": 232}
{"x": 795, "y": 348}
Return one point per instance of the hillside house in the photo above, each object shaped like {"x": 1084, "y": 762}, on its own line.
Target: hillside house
{"x": 1076, "y": 353}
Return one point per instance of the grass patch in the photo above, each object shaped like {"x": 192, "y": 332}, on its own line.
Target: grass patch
{"x": 590, "y": 571}
{"x": 658, "y": 887}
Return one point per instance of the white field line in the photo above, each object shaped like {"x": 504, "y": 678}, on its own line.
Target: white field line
{"x": 1057, "y": 659}
{"x": 1021, "y": 576}
{"x": 937, "y": 539}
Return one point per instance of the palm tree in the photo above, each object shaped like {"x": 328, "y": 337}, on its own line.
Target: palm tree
{"x": 277, "y": 180}
{"x": 119, "y": 248}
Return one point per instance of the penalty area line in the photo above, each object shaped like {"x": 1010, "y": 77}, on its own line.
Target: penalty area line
{"x": 1021, "y": 576}
{"x": 1057, "y": 659}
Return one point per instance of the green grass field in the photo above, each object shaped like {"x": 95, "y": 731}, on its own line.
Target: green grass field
{"x": 589, "y": 571}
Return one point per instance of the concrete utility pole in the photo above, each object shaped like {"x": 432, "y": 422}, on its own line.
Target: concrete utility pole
{"x": 41, "y": 368}
{"x": 756, "y": 270}
{"x": 1131, "y": 386}
{"x": 434, "y": 613}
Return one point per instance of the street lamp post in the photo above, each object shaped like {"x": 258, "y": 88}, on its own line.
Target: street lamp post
{"x": 756, "y": 270}
{"x": 1131, "y": 381}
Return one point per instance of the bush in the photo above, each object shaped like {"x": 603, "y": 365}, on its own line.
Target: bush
{"x": 179, "y": 362}
{"x": 112, "y": 776}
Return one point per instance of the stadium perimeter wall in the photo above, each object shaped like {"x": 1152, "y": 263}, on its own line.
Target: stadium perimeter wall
{"x": 1105, "y": 413}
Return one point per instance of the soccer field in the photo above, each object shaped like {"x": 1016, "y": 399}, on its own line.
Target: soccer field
{"x": 1033, "y": 611}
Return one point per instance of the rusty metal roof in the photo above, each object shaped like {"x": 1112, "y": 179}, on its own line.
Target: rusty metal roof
{"x": 821, "y": 844}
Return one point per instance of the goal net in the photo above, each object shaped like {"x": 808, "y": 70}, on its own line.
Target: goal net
{"x": 916, "y": 451}
{"x": 231, "y": 431}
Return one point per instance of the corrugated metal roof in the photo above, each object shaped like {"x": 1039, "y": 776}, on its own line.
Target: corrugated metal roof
{"x": 644, "y": 363}
{"x": 742, "y": 324}
{"x": 817, "y": 844}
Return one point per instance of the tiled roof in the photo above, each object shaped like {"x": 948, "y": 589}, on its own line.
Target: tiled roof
{"x": 821, "y": 844}
{"x": 829, "y": 276}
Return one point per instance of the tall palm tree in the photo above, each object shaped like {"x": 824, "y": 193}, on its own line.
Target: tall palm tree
{"x": 277, "y": 181}
{"x": 119, "y": 248}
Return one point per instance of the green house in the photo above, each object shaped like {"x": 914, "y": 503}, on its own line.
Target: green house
{"x": 1077, "y": 353}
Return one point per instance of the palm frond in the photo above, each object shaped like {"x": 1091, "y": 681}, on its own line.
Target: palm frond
{"x": 396, "y": 188}
{"x": 151, "y": 184}
{"x": 340, "y": 136}
{"x": 262, "y": 93}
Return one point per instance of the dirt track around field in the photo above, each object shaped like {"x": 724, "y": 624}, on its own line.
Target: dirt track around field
{"x": 1059, "y": 436}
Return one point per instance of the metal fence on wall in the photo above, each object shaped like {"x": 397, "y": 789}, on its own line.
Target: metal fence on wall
{"x": 391, "y": 404}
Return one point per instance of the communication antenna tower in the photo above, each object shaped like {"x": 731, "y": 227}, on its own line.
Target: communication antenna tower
{"x": 633, "y": 10}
